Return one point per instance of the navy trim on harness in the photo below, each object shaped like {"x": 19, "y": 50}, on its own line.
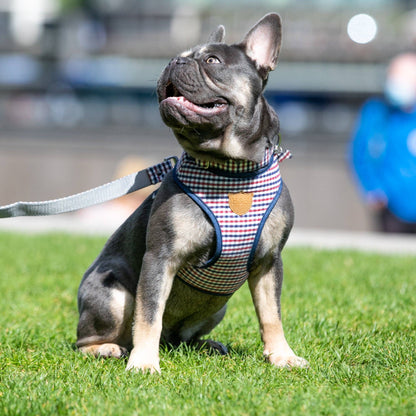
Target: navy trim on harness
{"x": 261, "y": 226}
{"x": 217, "y": 280}
{"x": 214, "y": 220}
{"x": 210, "y": 214}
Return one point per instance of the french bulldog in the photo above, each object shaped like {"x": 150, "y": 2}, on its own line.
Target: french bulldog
{"x": 153, "y": 281}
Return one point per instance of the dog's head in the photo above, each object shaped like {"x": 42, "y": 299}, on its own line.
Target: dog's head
{"x": 211, "y": 96}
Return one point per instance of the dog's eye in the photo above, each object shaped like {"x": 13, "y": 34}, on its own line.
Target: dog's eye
{"x": 212, "y": 60}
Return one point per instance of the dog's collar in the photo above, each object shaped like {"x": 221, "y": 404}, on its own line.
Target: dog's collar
{"x": 241, "y": 167}
{"x": 233, "y": 166}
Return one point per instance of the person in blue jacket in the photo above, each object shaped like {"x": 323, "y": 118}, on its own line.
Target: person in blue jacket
{"x": 383, "y": 149}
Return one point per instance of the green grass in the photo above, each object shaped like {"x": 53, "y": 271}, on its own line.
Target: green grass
{"x": 352, "y": 315}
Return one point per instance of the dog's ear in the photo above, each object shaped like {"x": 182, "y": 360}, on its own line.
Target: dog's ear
{"x": 262, "y": 43}
{"x": 218, "y": 35}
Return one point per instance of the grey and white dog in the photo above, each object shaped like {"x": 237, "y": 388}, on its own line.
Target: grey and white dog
{"x": 131, "y": 298}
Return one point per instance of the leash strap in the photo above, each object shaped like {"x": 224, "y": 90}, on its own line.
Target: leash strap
{"x": 103, "y": 193}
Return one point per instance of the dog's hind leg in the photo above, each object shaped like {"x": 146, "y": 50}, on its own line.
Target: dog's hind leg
{"x": 193, "y": 334}
{"x": 107, "y": 350}
{"x": 106, "y": 315}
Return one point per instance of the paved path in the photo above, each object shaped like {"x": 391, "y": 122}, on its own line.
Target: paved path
{"x": 363, "y": 241}
{"x": 104, "y": 225}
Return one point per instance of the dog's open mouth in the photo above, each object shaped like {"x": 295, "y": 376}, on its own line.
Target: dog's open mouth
{"x": 173, "y": 95}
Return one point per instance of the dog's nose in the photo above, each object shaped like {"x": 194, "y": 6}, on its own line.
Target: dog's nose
{"x": 180, "y": 60}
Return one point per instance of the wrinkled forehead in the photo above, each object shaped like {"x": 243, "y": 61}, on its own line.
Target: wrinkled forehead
{"x": 229, "y": 53}
{"x": 197, "y": 50}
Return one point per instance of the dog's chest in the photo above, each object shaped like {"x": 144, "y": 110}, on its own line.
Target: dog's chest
{"x": 237, "y": 197}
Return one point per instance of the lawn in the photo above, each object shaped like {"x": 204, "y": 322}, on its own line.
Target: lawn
{"x": 351, "y": 315}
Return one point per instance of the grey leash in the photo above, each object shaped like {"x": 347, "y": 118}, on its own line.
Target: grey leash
{"x": 103, "y": 193}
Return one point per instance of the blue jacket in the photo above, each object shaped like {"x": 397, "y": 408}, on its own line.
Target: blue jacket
{"x": 383, "y": 155}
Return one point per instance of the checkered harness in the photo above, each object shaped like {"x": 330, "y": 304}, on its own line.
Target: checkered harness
{"x": 237, "y": 236}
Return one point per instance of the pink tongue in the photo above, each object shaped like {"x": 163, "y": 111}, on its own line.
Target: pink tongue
{"x": 187, "y": 103}
{"x": 196, "y": 108}
{"x": 182, "y": 100}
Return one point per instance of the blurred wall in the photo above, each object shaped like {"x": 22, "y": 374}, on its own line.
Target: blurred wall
{"x": 77, "y": 90}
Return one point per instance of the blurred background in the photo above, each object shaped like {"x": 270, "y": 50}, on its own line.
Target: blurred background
{"x": 78, "y": 104}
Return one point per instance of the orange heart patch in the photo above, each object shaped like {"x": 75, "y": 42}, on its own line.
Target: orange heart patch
{"x": 240, "y": 202}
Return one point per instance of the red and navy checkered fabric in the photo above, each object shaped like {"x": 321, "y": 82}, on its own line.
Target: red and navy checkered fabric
{"x": 157, "y": 172}
{"x": 237, "y": 235}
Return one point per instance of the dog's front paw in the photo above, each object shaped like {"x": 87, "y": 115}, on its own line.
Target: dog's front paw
{"x": 143, "y": 362}
{"x": 290, "y": 361}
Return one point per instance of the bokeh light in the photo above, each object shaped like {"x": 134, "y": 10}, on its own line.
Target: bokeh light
{"x": 362, "y": 28}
